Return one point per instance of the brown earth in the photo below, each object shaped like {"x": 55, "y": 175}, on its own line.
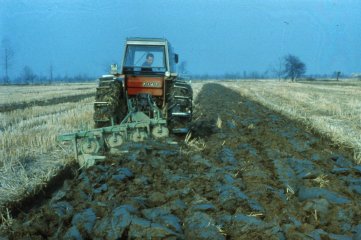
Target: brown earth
{"x": 259, "y": 176}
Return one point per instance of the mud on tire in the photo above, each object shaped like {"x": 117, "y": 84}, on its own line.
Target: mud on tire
{"x": 109, "y": 102}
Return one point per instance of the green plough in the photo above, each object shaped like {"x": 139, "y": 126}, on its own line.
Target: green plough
{"x": 91, "y": 145}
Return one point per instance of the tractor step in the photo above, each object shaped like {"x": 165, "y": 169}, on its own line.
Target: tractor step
{"x": 101, "y": 103}
{"x": 182, "y": 87}
{"x": 180, "y": 130}
{"x": 181, "y": 114}
{"x": 181, "y": 97}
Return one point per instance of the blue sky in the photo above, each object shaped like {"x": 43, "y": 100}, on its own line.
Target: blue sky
{"x": 213, "y": 36}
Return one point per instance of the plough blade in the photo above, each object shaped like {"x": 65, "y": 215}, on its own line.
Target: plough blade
{"x": 91, "y": 146}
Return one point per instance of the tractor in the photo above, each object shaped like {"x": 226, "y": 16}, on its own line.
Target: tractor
{"x": 143, "y": 99}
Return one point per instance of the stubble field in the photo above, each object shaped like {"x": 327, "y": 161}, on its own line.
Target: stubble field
{"x": 265, "y": 160}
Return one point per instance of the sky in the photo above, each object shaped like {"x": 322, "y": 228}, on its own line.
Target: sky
{"x": 212, "y": 36}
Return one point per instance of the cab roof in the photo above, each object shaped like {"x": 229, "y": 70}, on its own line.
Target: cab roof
{"x": 145, "y": 41}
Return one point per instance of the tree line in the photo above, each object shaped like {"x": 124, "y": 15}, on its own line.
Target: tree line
{"x": 27, "y": 75}
{"x": 289, "y": 67}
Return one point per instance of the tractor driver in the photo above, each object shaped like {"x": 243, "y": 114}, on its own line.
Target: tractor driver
{"x": 148, "y": 62}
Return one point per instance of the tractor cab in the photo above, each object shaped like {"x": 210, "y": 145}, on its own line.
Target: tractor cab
{"x": 139, "y": 51}
{"x": 146, "y": 66}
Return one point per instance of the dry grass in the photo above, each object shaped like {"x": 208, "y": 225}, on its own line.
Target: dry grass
{"x": 322, "y": 180}
{"x": 219, "y": 123}
{"x": 194, "y": 144}
{"x": 16, "y": 94}
{"x": 36, "y": 133}
{"x": 29, "y": 155}
{"x": 331, "y": 108}
{"x": 6, "y": 219}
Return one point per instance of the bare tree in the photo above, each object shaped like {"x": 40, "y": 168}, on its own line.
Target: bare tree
{"x": 28, "y": 76}
{"x": 294, "y": 68}
{"x": 7, "y": 57}
{"x": 337, "y": 75}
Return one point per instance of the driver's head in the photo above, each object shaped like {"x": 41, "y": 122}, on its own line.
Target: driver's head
{"x": 150, "y": 58}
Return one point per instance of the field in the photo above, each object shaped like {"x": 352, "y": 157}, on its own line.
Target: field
{"x": 330, "y": 108}
{"x": 265, "y": 159}
{"x": 30, "y": 119}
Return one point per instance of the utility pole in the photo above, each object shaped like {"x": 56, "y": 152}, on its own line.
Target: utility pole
{"x": 8, "y": 54}
{"x": 51, "y": 73}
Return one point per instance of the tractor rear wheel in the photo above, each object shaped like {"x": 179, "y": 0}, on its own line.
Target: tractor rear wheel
{"x": 179, "y": 106}
{"x": 109, "y": 106}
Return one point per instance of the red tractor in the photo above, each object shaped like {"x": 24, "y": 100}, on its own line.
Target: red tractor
{"x": 145, "y": 99}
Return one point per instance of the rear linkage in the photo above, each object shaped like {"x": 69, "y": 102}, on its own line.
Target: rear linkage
{"x": 90, "y": 145}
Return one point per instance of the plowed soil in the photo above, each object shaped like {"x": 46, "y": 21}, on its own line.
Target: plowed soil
{"x": 257, "y": 176}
